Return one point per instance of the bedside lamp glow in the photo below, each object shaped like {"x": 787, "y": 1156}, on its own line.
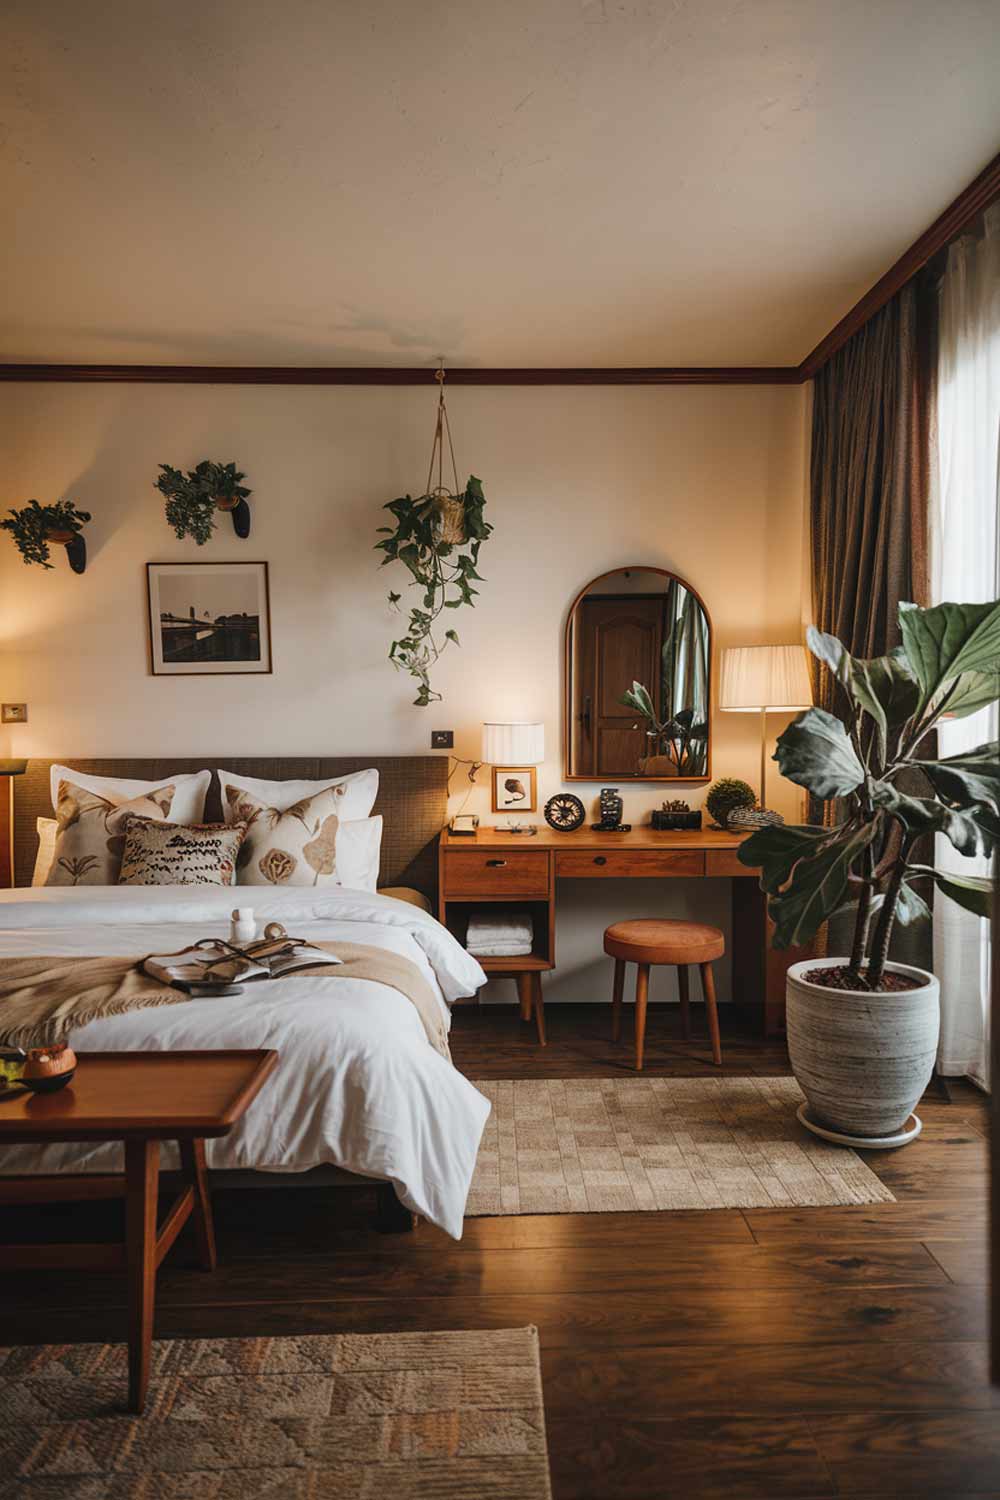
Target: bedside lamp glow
{"x": 513, "y": 744}
{"x": 763, "y": 680}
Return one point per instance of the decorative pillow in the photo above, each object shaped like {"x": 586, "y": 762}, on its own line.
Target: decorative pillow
{"x": 158, "y": 853}
{"x": 190, "y": 789}
{"x": 90, "y": 832}
{"x": 357, "y": 792}
{"x": 306, "y": 844}
{"x": 46, "y": 829}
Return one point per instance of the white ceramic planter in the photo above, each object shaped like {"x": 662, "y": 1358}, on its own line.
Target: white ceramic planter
{"x": 862, "y": 1060}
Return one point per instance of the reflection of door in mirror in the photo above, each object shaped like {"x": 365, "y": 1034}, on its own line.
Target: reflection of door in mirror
{"x": 638, "y": 653}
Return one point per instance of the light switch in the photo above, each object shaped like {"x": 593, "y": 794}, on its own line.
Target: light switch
{"x": 442, "y": 739}
{"x": 13, "y": 713}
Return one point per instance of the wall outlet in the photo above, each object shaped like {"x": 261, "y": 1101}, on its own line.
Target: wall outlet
{"x": 442, "y": 739}
{"x": 13, "y": 713}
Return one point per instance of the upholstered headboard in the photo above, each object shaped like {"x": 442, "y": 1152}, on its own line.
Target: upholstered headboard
{"x": 412, "y": 798}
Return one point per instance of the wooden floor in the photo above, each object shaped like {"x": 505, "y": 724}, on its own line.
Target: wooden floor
{"x": 767, "y": 1353}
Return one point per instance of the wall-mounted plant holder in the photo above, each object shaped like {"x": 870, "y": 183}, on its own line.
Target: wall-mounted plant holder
{"x": 35, "y": 528}
{"x": 193, "y": 499}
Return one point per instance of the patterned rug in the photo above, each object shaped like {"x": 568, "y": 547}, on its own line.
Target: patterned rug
{"x": 411, "y": 1415}
{"x": 596, "y": 1145}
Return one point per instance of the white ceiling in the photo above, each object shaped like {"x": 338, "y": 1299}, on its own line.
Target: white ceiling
{"x": 507, "y": 182}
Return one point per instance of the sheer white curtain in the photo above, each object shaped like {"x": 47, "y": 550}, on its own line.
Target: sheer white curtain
{"x": 966, "y": 568}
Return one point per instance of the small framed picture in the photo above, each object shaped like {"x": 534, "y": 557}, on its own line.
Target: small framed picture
{"x": 208, "y": 618}
{"x": 514, "y": 789}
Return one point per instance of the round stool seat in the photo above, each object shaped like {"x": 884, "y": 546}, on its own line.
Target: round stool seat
{"x": 662, "y": 941}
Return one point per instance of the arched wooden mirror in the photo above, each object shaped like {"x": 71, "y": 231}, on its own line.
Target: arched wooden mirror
{"x": 638, "y": 660}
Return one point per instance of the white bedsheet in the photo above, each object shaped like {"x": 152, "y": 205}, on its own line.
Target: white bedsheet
{"x": 357, "y": 1083}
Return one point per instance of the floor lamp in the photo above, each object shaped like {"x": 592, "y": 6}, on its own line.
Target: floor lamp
{"x": 763, "y": 680}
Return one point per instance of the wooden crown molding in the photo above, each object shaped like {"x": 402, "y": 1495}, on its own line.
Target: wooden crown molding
{"x": 401, "y": 375}
{"x": 971, "y": 201}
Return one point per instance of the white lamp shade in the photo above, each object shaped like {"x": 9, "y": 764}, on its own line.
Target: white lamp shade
{"x": 756, "y": 677}
{"x": 513, "y": 744}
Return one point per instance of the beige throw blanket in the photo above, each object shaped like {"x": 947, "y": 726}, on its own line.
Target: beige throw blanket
{"x": 43, "y": 999}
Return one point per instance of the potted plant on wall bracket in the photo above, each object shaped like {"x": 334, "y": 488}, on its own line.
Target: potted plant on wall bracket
{"x": 35, "y": 528}
{"x": 863, "y": 1030}
{"x": 437, "y": 536}
{"x": 194, "y": 497}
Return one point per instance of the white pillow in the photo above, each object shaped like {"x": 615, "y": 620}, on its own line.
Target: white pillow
{"x": 46, "y": 828}
{"x": 359, "y": 847}
{"x": 360, "y": 789}
{"x": 190, "y": 790}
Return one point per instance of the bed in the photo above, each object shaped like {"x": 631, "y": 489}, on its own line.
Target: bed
{"x": 358, "y": 1086}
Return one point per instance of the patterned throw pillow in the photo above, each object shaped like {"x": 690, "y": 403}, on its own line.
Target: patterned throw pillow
{"x": 90, "y": 832}
{"x": 179, "y": 853}
{"x": 296, "y": 847}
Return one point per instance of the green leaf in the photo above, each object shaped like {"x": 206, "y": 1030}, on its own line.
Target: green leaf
{"x": 887, "y": 690}
{"x": 910, "y": 906}
{"x": 831, "y": 652}
{"x": 637, "y": 697}
{"x": 817, "y": 887}
{"x": 969, "y": 833}
{"x": 452, "y": 635}
{"x": 815, "y": 752}
{"x": 973, "y": 776}
{"x": 775, "y": 850}
{"x": 973, "y": 892}
{"x": 944, "y": 642}
{"x": 975, "y": 690}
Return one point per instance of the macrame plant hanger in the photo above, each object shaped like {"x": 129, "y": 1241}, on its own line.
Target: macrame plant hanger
{"x": 449, "y": 504}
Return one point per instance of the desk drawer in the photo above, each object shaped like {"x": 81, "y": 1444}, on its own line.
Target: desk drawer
{"x": 726, "y": 862}
{"x": 591, "y": 863}
{"x": 496, "y": 872}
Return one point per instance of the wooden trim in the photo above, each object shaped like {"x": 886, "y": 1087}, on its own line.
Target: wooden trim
{"x": 402, "y": 375}
{"x": 970, "y": 202}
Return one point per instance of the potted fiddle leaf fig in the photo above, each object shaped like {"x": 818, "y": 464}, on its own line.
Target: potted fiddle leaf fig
{"x": 193, "y": 498}
{"x": 37, "y": 527}
{"x": 862, "y": 1029}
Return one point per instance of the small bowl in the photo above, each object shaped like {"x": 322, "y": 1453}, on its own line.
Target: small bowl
{"x": 49, "y": 1084}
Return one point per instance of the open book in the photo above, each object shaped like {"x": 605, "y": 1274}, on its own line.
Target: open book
{"x": 212, "y": 963}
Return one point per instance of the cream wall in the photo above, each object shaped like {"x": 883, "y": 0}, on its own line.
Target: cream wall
{"x": 706, "y": 481}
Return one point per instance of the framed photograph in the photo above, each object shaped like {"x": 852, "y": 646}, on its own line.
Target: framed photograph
{"x": 208, "y": 618}
{"x": 514, "y": 789}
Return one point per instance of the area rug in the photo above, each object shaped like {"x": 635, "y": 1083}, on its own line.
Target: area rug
{"x": 407, "y": 1415}
{"x": 597, "y": 1145}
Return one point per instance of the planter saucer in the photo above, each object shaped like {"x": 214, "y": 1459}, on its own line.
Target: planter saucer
{"x": 912, "y": 1129}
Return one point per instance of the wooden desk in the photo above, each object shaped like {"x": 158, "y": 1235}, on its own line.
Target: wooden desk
{"x": 140, "y": 1099}
{"x": 504, "y": 868}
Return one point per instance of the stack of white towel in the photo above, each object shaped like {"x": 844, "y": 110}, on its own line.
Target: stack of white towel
{"x": 500, "y": 934}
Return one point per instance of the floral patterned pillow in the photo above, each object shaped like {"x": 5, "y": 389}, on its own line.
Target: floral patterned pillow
{"x": 90, "y": 832}
{"x": 295, "y": 847}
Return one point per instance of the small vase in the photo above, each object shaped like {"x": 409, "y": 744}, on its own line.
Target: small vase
{"x": 49, "y": 1068}
{"x": 76, "y": 547}
{"x": 450, "y": 522}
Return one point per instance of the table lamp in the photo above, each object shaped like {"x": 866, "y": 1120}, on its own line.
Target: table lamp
{"x": 512, "y": 751}
{"x": 764, "y": 679}
{"x": 8, "y": 770}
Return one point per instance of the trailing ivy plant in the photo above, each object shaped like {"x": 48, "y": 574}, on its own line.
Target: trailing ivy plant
{"x": 948, "y": 664}
{"x": 33, "y": 525}
{"x": 192, "y": 497}
{"x": 444, "y": 571}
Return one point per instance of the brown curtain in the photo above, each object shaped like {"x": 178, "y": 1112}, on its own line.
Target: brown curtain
{"x": 869, "y": 476}
{"x": 870, "y": 466}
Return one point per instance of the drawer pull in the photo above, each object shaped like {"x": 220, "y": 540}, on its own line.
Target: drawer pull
{"x": 600, "y": 859}
{"x": 495, "y": 864}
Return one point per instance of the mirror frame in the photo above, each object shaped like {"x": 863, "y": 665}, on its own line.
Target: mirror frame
{"x": 567, "y": 713}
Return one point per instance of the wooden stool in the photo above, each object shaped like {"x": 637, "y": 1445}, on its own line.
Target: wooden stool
{"x": 658, "y": 941}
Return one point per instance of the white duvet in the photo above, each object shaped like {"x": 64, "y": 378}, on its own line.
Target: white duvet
{"x": 357, "y": 1083}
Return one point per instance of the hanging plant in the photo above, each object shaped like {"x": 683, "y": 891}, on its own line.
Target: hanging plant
{"x": 437, "y": 537}
{"x": 193, "y": 498}
{"x": 37, "y": 527}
